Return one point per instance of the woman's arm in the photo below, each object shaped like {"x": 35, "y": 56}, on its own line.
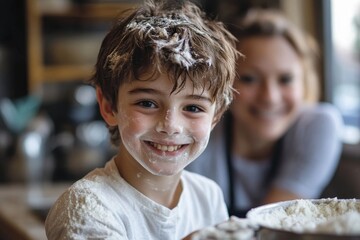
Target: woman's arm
{"x": 310, "y": 155}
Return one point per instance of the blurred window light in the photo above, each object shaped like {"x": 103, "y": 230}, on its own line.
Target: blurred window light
{"x": 345, "y": 66}
{"x": 351, "y": 135}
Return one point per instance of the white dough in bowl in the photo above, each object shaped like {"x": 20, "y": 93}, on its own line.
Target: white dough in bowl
{"x": 330, "y": 216}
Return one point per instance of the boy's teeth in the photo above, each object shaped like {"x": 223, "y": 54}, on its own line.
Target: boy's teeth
{"x": 166, "y": 148}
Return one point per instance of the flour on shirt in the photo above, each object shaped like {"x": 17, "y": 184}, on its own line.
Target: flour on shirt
{"x": 86, "y": 208}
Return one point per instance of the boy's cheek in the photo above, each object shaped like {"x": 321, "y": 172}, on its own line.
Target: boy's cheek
{"x": 202, "y": 130}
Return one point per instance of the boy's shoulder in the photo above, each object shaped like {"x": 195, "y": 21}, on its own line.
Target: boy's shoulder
{"x": 203, "y": 194}
{"x": 192, "y": 176}
{"x": 96, "y": 181}
{"x": 197, "y": 182}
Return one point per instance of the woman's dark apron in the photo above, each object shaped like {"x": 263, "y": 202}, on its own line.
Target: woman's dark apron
{"x": 233, "y": 211}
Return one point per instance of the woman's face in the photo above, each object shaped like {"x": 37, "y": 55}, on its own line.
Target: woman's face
{"x": 270, "y": 87}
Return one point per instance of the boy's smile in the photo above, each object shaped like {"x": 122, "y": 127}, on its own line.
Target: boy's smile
{"x": 165, "y": 148}
{"x": 160, "y": 130}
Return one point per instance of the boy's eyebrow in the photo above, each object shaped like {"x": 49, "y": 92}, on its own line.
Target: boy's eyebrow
{"x": 200, "y": 97}
{"x": 154, "y": 91}
{"x": 143, "y": 90}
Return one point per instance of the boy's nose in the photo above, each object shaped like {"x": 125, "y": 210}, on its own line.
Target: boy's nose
{"x": 169, "y": 123}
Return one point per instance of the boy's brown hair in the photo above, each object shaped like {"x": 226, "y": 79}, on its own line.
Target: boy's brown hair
{"x": 171, "y": 37}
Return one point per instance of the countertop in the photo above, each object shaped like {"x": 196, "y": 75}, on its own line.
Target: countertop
{"x": 23, "y": 209}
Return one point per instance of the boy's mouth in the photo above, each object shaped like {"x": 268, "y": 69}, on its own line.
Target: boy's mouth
{"x": 165, "y": 148}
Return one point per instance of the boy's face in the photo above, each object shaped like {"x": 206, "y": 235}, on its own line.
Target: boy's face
{"x": 160, "y": 130}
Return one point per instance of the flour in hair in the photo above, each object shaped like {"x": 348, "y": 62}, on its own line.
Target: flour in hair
{"x": 171, "y": 35}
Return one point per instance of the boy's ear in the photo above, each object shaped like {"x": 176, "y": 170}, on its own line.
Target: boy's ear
{"x": 105, "y": 108}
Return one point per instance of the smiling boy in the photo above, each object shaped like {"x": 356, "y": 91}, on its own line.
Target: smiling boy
{"x": 163, "y": 79}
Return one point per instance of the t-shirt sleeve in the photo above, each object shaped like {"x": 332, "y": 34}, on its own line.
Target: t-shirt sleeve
{"x": 80, "y": 214}
{"x": 311, "y": 152}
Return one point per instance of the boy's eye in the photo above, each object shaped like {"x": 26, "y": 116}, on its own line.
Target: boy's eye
{"x": 193, "y": 108}
{"x": 247, "y": 79}
{"x": 286, "y": 79}
{"x": 147, "y": 104}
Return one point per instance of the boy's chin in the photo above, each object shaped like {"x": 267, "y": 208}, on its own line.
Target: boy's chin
{"x": 165, "y": 170}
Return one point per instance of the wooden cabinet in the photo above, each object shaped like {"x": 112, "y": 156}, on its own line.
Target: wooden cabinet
{"x": 39, "y": 71}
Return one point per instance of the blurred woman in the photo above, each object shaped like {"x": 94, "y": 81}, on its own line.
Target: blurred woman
{"x": 277, "y": 142}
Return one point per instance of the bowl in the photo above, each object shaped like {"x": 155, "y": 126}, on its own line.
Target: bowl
{"x": 311, "y": 219}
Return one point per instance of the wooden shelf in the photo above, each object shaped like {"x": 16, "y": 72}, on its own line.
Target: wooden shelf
{"x": 103, "y": 11}
{"x": 38, "y": 71}
{"x": 66, "y": 72}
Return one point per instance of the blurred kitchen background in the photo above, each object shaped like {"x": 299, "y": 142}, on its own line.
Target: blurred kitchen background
{"x": 50, "y": 128}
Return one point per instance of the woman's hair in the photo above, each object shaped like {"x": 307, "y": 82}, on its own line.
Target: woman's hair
{"x": 171, "y": 37}
{"x": 272, "y": 22}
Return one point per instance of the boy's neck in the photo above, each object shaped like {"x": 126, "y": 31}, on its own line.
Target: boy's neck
{"x": 165, "y": 190}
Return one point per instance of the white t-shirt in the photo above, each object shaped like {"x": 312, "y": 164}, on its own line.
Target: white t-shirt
{"x": 103, "y": 205}
{"x": 308, "y": 160}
